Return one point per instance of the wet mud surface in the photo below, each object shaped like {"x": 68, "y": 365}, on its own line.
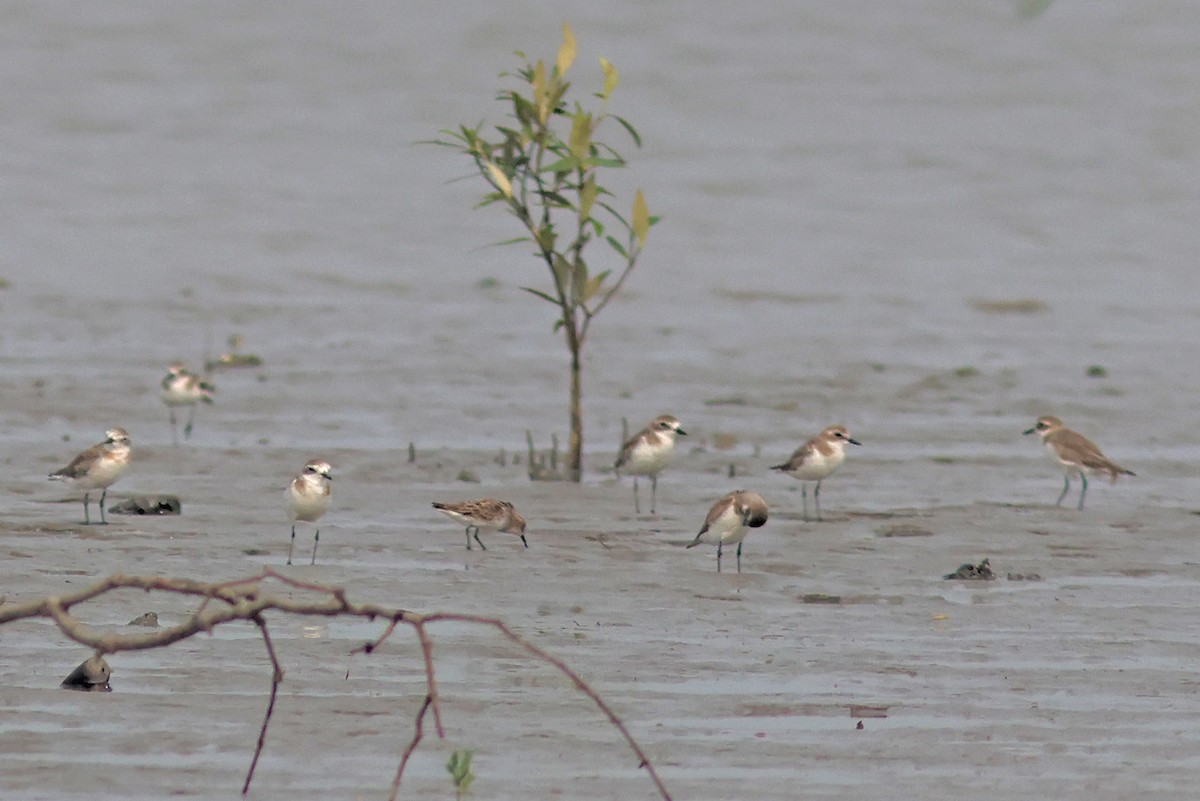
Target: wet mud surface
{"x": 929, "y": 225}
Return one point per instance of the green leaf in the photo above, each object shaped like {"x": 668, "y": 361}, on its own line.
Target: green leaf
{"x": 599, "y": 162}
{"x": 641, "y": 218}
{"x": 569, "y": 164}
{"x": 566, "y": 52}
{"x": 539, "y": 293}
{"x": 611, "y": 77}
{"x": 633, "y": 134}
{"x": 617, "y": 246}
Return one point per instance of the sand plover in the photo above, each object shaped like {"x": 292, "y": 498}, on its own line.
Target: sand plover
{"x": 647, "y": 453}
{"x": 816, "y": 460}
{"x": 730, "y": 520}
{"x": 308, "y": 499}
{"x": 485, "y": 513}
{"x": 180, "y": 387}
{"x": 1075, "y": 453}
{"x": 98, "y": 468}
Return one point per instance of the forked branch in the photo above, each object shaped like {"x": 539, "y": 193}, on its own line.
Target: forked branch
{"x": 244, "y": 600}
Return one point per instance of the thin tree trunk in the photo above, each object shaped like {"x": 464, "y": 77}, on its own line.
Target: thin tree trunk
{"x": 575, "y": 446}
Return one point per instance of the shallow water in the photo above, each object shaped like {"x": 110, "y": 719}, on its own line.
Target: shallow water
{"x": 925, "y": 221}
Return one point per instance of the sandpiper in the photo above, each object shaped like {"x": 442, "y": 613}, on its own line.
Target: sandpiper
{"x": 1075, "y": 453}
{"x": 647, "y": 453}
{"x": 181, "y": 387}
{"x": 816, "y": 460}
{"x": 730, "y": 520}
{"x": 485, "y": 513}
{"x": 308, "y": 497}
{"x": 98, "y": 468}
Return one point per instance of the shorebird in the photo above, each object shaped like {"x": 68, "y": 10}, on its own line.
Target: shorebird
{"x": 180, "y": 387}
{"x": 730, "y": 520}
{"x": 816, "y": 460}
{"x": 1076, "y": 454}
{"x": 647, "y": 453}
{"x": 485, "y": 513}
{"x": 308, "y": 497}
{"x": 98, "y": 468}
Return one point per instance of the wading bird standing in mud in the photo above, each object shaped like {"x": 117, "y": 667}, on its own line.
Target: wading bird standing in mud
{"x": 1075, "y": 454}
{"x": 98, "y": 468}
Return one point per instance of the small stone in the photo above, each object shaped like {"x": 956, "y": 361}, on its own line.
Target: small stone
{"x": 91, "y": 675}
{"x": 969, "y": 572}
{"x": 149, "y": 619}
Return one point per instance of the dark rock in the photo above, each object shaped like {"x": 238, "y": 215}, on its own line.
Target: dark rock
{"x": 90, "y": 676}
{"x": 148, "y": 505}
{"x": 969, "y": 572}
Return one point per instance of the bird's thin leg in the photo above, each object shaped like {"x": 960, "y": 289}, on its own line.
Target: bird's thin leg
{"x": 817, "y": 499}
{"x": 1066, "y": 486}
{"x": 316, "y": 542}
{"x": 482, "y": 547}
{"x": 804, "y": 495}
{"x": 187, "y": 429}
{"x": 292, "y": 545}
{"x": 739, "y": 560}
{"x": 637, "y": 506}
{"x": 718, "y": 557}
{"x": 468, "y": 538}
{"x": 653, "y": 493}
{"x": 104, "y": 520}
{"x": 1083, "y": 491}
{"x": 174, "y": 431}
{"x": 523, "y": 542}
{"x": 87, "y": 521}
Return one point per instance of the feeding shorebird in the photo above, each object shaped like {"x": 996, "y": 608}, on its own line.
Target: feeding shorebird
{"x": 98, "y": 468}
{"x": 647, "y": 453}
{"x": 308, "y": 498}
{"x": 816, "y": 460}
{"x": 1076, "y": 454}
{"x": 730, "y": 520}
{"x": 485, "y": 513}
{"x": 181, "y": 387}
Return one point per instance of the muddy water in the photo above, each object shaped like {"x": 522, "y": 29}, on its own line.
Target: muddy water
{"x": 926, "y": 222}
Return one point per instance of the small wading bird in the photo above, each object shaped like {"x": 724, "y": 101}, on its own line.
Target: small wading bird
{"x": 1076, "y": 454}
{"x": 647, "y": 453}
{"x": 308, "y": 498}
{"x": 485, "y": 513}
{"x": 180, "y": 387}
{"x": 816, "y": 460}
{"x": 98, "y": 468}
{"x": 730, "y": 520}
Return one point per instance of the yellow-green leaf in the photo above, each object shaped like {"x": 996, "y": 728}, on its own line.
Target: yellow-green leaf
{"x": 641, "y": 218}
{"x": 611, "y": 77}
{"x": 500, "y": 179}
{"x": 587, "y": 197}
{"x": 581, "y": 134}
{"x": 566, "y": 53}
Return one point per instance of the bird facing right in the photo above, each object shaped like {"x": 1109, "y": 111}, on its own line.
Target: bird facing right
{"x": 730, "y": 520}
{"x": 647, "y": 453}
{"x": 1075, "y": 454}
{"x": 181, "y": 387}
{"x": 308, "y": 497}
{"x": 816, "y": 460}
{"x": 98, "y": 468}
{"x": 485, "y": 513}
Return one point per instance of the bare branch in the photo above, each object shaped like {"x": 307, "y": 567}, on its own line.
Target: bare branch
{"x": 243, "y": 600}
